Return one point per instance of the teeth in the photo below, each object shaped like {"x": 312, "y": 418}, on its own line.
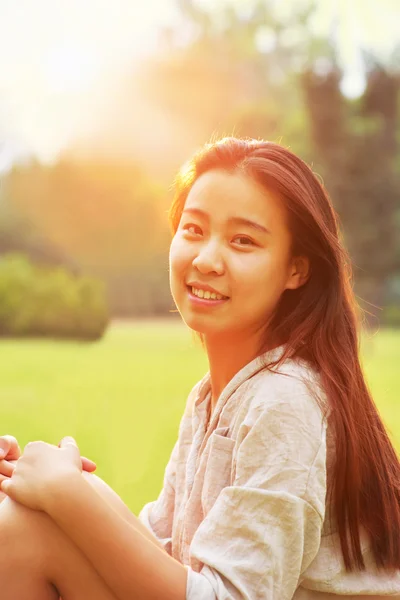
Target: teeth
{"x": 206, "y": 294}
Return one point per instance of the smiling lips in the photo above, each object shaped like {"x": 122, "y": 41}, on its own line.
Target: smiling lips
{"x": 206, "y": 292}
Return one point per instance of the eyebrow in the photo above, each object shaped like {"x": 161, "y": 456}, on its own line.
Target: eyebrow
{"x": 237, "y": 220}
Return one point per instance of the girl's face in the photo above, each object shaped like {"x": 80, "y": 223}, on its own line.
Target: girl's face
{"x": 230, "y": 257}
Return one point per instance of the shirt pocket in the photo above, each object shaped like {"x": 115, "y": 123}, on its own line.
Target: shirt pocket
{"x": 218, "y": 469}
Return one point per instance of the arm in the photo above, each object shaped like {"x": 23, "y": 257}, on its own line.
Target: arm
{"x": 131, "y": 565}
{"x": 140, "y": 565}
{"x": 117, "y": 504}
{"x": 131, "y": 571}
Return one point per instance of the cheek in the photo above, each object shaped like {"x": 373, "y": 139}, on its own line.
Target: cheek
{"x": 264, "y": 275}
{"x": 179, "y": 259}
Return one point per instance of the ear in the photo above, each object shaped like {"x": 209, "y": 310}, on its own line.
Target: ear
{"x": 299, "y": 272}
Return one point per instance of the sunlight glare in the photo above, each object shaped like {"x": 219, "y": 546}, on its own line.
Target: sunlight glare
{"x": 70, "y": 67}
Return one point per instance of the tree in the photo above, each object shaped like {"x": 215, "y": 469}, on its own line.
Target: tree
{"x": 357, "y": 150}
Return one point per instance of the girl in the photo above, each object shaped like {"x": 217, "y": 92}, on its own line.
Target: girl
{"x": 283, "y": 482}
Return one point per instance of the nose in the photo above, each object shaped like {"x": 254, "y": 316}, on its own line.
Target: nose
{"x": 209, "y": 259}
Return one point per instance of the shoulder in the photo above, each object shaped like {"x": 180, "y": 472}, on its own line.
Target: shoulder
{"x": 281, "y": 441}
{"x": 295, "y": 390}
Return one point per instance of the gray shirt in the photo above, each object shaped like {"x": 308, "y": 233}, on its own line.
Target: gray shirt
{"x": 243, "y": 504}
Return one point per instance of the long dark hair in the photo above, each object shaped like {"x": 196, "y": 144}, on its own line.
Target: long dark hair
{"x": 320, "y": 322}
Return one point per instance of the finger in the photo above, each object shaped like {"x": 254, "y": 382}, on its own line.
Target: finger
{"x": 7, "y": 487}
{"x": 6, "y": 468}
{"x": 67, "y": 441}
{"x": 88, "y": 465}
{"x": 9, "y": 447}
{"x": 3, "y": 478}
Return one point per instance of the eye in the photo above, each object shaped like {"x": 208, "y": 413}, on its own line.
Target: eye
{"x": 192, "y": 229}
{"x": 245, "y": 241}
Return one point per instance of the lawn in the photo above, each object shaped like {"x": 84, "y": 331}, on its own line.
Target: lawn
{"x": 122, "y": 398}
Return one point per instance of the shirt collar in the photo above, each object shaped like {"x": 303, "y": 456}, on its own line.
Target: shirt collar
{"x": 249, "y": 370}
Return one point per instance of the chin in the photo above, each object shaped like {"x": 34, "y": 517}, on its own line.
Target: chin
{"x": 204, "y": 326}
{"x": 197, "y": 325}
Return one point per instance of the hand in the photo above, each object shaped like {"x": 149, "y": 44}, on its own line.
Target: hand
{"x": 42, "y": 471}
{"x": 10, "y": 453}
{"x": 9, "y": 448}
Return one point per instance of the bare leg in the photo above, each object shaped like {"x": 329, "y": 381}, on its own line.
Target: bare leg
{"x": 39, "y": 562}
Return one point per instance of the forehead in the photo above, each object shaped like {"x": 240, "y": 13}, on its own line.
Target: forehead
{"x": 223, "y": 195}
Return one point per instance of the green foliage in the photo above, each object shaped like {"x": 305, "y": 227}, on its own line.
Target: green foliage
{"x": 51, "y": 302}
{"x": 355, "y": 143}
{"x": 101, "y": 218}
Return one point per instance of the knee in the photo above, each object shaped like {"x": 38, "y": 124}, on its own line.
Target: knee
{"x": 15, "y": 520}
{"x": 22, "y": 533}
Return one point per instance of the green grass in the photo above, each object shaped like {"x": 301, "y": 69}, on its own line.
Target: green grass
{"x": 122, "y": 398}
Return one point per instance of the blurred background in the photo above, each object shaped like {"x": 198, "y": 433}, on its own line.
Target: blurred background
{"x": 100, "y": 104}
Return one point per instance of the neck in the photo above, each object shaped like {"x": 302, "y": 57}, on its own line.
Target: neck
{"x": 226, "y": 357}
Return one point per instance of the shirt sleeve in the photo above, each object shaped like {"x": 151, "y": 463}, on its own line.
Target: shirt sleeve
{"x": 158, "y": 515}
{"x": 264, "y": 530}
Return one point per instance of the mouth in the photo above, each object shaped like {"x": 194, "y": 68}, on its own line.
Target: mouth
{"x": 205, "y": 296}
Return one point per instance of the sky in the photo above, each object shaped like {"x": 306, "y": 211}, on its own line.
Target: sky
{"x": 61, "y": 59}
